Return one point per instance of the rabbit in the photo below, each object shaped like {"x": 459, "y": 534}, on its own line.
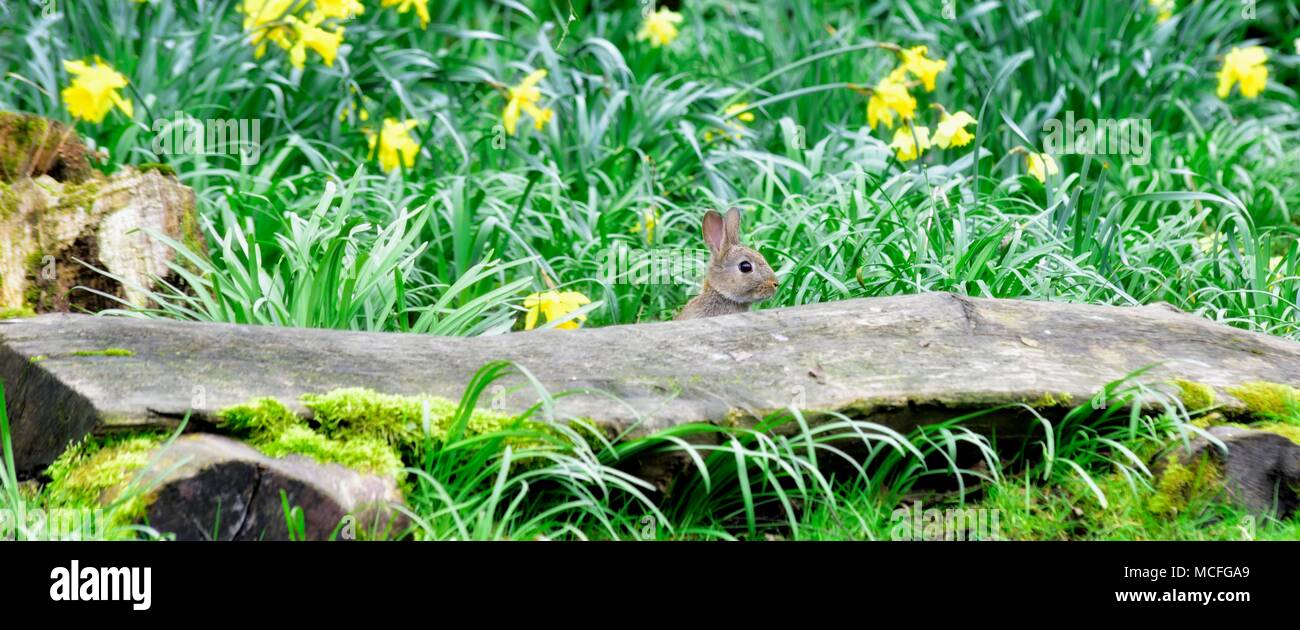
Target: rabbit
{"x": 737, "y": 276}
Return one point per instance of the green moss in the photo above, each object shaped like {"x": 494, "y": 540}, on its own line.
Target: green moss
{"x": 38, "y": 358}
{"x": 106, "y": 352}
{"x": 8, "y": 201}
{"x": 1269, "y": 400}
{"x": 261, "y": 418}
{"x": 396, "y": 420}
{"x": 1050, "y": 399}
{"x": 1179, "y": 484}
{"x": 79, "y": 196}
{"x": 1284, "y": 429}
{"x": 359, "y": 453}
{"x": 161, "y": 168}
{"x": 14, "y": 313}
{"x": 1195, "y": 396}
{"x": 276, "y": 430}
{"x": 87, "y": 474}
{"x": 20, "y": 131}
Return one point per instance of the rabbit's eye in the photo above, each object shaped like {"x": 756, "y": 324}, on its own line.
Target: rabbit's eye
{"x": 745, "y": 267}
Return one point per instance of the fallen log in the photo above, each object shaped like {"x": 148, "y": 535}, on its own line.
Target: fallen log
{"x": 208, "y": 487}
{"x": 895, "y": 360}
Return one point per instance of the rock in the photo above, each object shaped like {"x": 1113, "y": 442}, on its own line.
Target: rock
{"x": 859, "y": 357}
{"x": 57, "y": 216}
{"x": 214, "y": 487}
{"x": 1260, "y": 470}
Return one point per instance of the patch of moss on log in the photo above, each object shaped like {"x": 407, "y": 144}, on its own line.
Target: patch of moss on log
{"x": 159, "y": 167}
{"x": 96, "y": 471}
{"x": 362, "y": 454}
{"x": 1180, "y": 484}
{"x": 1195, "y": 396}
{"x": 402, "y": 421}
{"x": 276, "y": 431}
{"x": 15, "y": 313}
{"x": 1050, "y": 400}
{"x": 1269, "y": 400}
{"x": 106, "y": 352}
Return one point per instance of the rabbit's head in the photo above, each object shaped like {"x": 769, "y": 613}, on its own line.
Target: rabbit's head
{"x": 738, "y": 273}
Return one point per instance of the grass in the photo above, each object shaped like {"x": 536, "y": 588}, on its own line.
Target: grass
{"x": 314, "y": 233}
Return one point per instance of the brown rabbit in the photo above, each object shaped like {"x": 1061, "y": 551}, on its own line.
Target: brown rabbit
{"x": 738, "y": 276}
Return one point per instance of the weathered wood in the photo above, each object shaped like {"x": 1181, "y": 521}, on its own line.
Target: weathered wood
{"x": 896, "y": 360}
{"x": 1259, "y": 470}
{"x": 205, "y": 487}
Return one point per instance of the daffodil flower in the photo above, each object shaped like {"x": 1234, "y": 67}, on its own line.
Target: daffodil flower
{"x": 1165, "y": 8}
{"x": 736, "y": 115}
{"x": 523, "y": 99}
{"x": 922, "y": 67}
{"x": 94, "y": 91}
{"x": 647, "y": 225}
{"x": 555, "y": 305}
{"x": 1244, "y": 66}
{"x": 265, "y": 22}
{"x": 951, "y": 131}
{"x": 308, "y": 34}
{"x": 910, "y": 142}
{"x": 403, "y": 6}
{"x": 394, "y": 144}
{"x": 890, "y": 97}
{"x": 1041, "y": 165}
{"x": 660, "y": 27}
{"x": 339, "y": 9}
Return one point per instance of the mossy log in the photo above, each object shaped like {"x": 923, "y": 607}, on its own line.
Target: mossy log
{"x": 898, "y": 361}
{"x": 1260, "y": 469}
{"x": 212, "y": 487}
{"x": 59, "y": 218}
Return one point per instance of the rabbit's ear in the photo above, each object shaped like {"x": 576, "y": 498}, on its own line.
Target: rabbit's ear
{"x": 714, "y": 232}
{"x": 733, "y": 226}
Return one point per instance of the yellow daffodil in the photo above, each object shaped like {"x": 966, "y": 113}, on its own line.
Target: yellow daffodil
{"x": 421, "y": 8}
{"x": 309, "y": 34}
{"x": 951, "y": 131}
{"x": 736, "y": 115}
{"x": 1165, "y": 8}
{"x": 265, "y": 22}
{"x": 739, "y": 111}
{"x": 647, "y": 225}
{"x": 1041, "y": 165}
{"x": 922, "y": 67}
{"x": 523, "y": 100}
{"x": 339, "y": 9}
{"x": 394, "y": 144}
{"x": 660, "y": 27}
{"x": 908, "y": 147}
{"x": 555, "y": 305}
{"x": 1245, "y": 66}
{"x": 888, "y": 97}
{"x": 94, "y": 91}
